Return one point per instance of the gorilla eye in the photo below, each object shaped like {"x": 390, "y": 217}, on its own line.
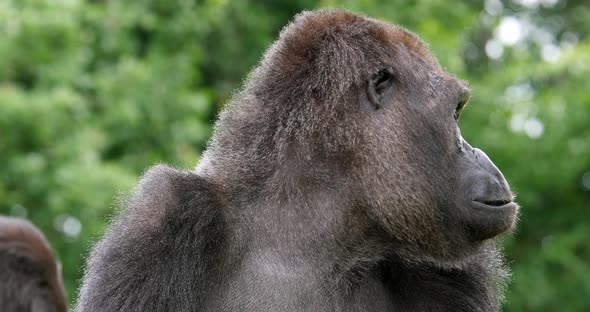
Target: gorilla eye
{"x": 464, "y": 97}
{"x": 457, "y": 112}
{"x": 379, "y": 84}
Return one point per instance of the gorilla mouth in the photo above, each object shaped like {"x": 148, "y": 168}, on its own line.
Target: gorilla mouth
{"x": 492, "y": 217}
{"x": 495, "y": 202}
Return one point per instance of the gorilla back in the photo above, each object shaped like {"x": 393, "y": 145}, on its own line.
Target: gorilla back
{"x": 336, "y": 180}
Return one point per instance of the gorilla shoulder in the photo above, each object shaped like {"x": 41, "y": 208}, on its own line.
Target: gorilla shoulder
{"x": 170, "y": 217}
{"x": 164, "y": 193}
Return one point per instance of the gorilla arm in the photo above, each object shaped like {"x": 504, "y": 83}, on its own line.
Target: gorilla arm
{"x": 158, "y": 253}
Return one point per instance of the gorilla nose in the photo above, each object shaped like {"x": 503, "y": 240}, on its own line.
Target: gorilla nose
{"x": 486, "y": 163}
{"x": 481, "y": 159}
{"x": 488, "y": 184}
{"x": 466, "y": 145}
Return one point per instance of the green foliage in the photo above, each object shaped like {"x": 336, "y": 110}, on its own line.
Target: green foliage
{"x": 93, "y": 92}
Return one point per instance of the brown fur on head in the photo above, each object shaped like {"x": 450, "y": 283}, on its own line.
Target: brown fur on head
{"x": 31, "y": 277}
{"x": 367, "y": 100}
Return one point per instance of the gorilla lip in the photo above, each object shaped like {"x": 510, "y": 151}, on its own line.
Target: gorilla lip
{"x": 494, "y": 204}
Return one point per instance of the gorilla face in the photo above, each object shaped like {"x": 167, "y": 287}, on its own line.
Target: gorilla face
{"x": 440, "y": 197}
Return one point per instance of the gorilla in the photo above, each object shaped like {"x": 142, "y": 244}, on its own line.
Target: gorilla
{"x": 30, "y": 278}
{"x": 335, "y": 180}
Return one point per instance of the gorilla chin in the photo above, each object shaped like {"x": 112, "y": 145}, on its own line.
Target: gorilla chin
{"x": 491, "y": 207}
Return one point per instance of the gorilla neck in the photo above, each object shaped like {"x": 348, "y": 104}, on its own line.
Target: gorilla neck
{"x": 301, "y": 212}
{"x": 302, "y": 225}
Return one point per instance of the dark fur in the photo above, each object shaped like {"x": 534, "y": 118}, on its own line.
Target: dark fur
{"x": 310, "y": 199}
{"x": 30, "y": 279}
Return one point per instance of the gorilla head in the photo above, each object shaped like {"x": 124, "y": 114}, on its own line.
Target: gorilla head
{"x": 30, "y": 278}
{"x": 438, "y": 196}
{"x": 354, "y": 104}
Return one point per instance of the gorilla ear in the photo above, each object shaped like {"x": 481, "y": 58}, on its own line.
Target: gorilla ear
{"x": 379, "y": 85}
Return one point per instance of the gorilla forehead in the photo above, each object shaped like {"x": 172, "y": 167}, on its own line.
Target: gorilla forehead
{"x": 339, "y": 36}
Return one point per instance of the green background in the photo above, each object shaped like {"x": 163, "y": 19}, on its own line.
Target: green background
{"x": 94, "y": 92}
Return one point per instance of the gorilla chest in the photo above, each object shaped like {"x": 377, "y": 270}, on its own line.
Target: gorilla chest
{"x": 294, "y": 290}
{"x": 300, "y": 294}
